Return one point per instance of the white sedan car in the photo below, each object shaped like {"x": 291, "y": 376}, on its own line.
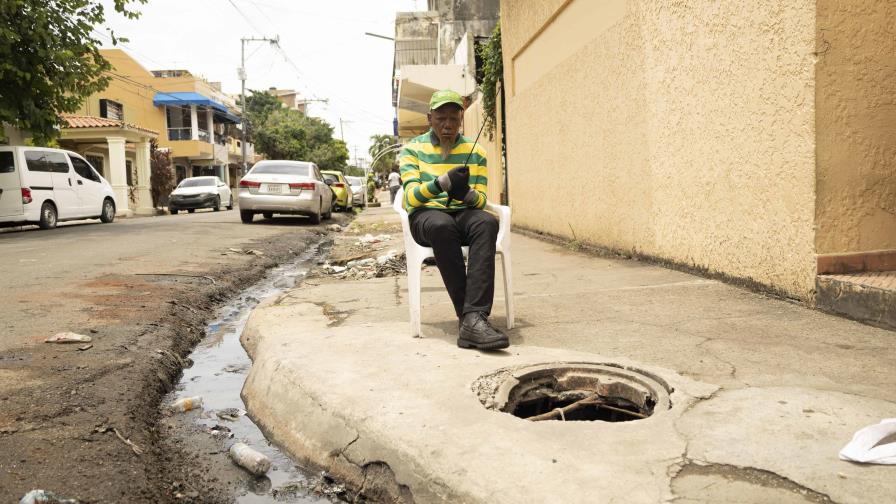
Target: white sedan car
{"x": 359, "y": 190}
{"x": 200, "y": 192}
{"x": 285, "y": 187}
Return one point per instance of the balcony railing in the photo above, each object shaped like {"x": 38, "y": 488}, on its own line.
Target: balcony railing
{"x": 180, "y": 133}
{"x": 203, "y": 135}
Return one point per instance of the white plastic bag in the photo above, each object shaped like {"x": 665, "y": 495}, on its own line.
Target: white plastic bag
{"x": 862, "y": 447}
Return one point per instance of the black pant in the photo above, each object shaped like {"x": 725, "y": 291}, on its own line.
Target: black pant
{"x": 471, "y": 288}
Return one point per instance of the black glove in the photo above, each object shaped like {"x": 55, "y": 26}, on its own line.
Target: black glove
{"x": 456, "y": 182}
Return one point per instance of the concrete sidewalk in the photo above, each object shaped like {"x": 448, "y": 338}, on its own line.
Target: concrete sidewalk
{"x": 764, "y": 393}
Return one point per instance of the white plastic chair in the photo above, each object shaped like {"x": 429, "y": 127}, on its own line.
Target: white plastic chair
{"x": 416, "y": 253}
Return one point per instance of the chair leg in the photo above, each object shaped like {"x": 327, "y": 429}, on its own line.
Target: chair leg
{"x": 508, "y": 288}
{"x": 414, "y": 273}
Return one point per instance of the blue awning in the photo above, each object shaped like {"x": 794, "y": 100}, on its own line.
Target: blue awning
{"x": 181, "y": 98}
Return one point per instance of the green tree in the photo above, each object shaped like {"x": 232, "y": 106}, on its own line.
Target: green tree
{"x": 50, "y": 60}
{"x": 331, "y": 155}
{"x": 259, "y": 107}
{"x": 492, "y": 78}
{"x": 288, "y": 134}
{"x": 161, "y": 176}
{"x": 378, "y": 144}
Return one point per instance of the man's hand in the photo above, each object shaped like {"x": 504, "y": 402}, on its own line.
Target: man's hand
{"x": 471, "y": 199}
{"x": 456, "y": 182}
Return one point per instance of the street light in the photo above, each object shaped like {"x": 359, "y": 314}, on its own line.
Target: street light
{"x": 378, "y": 36}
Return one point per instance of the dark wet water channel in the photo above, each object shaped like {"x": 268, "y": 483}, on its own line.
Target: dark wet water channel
{"x": 220, "y": 367}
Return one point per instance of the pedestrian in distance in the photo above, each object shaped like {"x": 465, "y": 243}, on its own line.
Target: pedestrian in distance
{"x": 394, "y": 184}
{"x": 445, "y": 183}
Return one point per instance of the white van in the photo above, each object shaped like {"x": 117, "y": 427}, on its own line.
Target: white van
{"x": 44, "y": 186}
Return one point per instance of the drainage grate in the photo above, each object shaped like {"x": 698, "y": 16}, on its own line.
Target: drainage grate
{"x": 581, "y": 392}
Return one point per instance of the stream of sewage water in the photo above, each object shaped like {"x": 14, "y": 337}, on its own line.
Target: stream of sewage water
{"x": 220, "y": 367}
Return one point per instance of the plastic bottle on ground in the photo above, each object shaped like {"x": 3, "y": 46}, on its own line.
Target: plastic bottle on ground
{"x": 186, "y": 404}
{"x": 251, "y": 460}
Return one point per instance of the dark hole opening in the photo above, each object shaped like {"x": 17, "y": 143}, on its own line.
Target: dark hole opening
{"x": 613, "y": 409}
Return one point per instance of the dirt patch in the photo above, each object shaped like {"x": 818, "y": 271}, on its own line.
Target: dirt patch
{"x": 85, "y": 424}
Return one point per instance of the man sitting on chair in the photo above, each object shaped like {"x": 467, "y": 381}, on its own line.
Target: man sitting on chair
{"x": 445, "y": 202}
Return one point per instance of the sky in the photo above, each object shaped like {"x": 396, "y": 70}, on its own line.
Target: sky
{"x": 329, "y": 55}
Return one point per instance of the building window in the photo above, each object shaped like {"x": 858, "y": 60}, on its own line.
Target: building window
{"x": 111, "y": 110}
{"x": 179, "y": 124}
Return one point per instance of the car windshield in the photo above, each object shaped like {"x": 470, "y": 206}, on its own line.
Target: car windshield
{"x": 355, "y": 181}
{"x": 275, "y": 169}
{"x": 330, "y": 176}
{"x": 197, "y": 182}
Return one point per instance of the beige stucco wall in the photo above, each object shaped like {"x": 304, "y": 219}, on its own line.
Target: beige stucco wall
{"x": 856, "y": 126}
{"x": 473, "y": 118}
{"x": 681, "y": 130}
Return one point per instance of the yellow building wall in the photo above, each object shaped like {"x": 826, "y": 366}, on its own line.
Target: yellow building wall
{"x": 134, "y": 87}
{"x": 125, "y": 88}
{"x": 473, "y": 118}
{"x": 856, "y": 126}
{"x": 679, "y": 130}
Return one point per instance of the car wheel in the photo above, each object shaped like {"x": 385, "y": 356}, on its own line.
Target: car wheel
{"x": 48, "y": 216}
{"x": 191, "y": 210}
{"x": 173, "y": 211}
{"x": 108, "y": 213}
{"x": 217, "y": 206}
{"x": 246, "y": 216}
{"x": 329, "y": 214}
{"x": 230, "y": 205}
{"x": 267, "y": 215}
{"x": 315, "y": 217}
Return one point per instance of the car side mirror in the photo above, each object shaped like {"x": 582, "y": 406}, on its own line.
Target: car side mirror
{"x": 328, "y": 182}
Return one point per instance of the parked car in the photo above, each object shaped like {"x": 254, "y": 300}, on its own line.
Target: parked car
{"x": 285, "y": 187}
{"x": 46, "y": 186}
{"x": 341, "y": 189}
{"x": 359, "y": 190}
{"x": 200, "y": 192}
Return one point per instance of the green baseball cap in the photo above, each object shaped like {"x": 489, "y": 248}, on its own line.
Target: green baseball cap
{"x": 445, "y": 97}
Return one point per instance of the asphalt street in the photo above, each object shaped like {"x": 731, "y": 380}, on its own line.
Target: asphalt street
{"x": 48, "y": 271}
{"x": 142, "y": 289}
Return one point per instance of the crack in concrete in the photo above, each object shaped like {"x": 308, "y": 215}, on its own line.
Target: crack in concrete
{"x": 754, "y": 476}
{"x": 341, "y": 451}
{"x": 733, "y": 372}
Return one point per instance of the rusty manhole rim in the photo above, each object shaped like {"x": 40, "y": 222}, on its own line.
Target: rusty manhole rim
{"x": 647, "y": 391}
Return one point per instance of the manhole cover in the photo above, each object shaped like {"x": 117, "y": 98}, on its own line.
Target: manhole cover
{"x": 576, "y": 392}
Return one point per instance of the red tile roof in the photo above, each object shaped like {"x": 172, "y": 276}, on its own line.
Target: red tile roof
{"x": 79, "y": 121}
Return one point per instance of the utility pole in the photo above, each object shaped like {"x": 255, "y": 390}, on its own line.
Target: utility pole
{"x": 341, "y": 131}
{"x": 241, "y": 71}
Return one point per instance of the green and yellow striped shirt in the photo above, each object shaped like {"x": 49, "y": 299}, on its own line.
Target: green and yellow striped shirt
{"x": 421, "y": 164}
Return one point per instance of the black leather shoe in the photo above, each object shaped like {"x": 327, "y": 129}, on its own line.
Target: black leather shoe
{"x": 477, "y": 332}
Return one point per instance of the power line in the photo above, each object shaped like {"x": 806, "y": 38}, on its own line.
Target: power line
{"x": 243, "y": 14}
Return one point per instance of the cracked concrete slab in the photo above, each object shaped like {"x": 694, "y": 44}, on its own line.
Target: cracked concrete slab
{"x": 795, "y": 433}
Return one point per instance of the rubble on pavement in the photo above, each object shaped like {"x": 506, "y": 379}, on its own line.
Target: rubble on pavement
{"x": 391, "y": 263}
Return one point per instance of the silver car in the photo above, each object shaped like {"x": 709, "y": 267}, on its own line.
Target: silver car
{"x": 359, "y": 190}
{"x": 285, "y": 187}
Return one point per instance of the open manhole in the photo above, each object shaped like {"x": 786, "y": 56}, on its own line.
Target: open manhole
{"x": 580, "y": 392}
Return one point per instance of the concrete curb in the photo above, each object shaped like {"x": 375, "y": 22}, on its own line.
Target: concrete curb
{"x": 388, "y": 418}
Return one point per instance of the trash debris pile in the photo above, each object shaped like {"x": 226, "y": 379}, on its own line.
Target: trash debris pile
{"x": 389, "y": 264}
{"x": 323, "y": 485}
